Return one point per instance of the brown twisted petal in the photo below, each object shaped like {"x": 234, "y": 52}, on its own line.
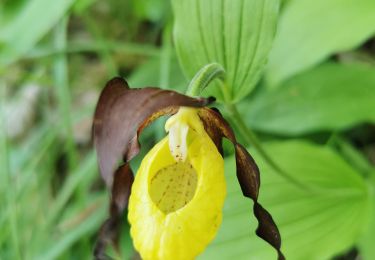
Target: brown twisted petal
{"x": 121, "y": 115}
{"x": 110, "y": 229}
{"x": 247, "y": 174}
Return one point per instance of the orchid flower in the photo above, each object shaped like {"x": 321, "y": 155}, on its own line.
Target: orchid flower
{"x": 176, "y": 199}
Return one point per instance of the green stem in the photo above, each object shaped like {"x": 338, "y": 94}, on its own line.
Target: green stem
{"x": 165, "y": 69}
{"x": 74, "y": 47}
{"x": 165, "y": 57}
{"x": 253, "y": 140}
{"x": 7, "y": 179}
{"x": 104, "y": 51}
{"x": 60, "y": 70}
{"x": 204, "y": 77}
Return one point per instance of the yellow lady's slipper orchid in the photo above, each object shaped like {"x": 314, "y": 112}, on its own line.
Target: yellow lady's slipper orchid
{"x": 176, "y": 200}
{"x": 176, "y": 203}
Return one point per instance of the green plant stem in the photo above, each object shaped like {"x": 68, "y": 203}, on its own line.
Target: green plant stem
{"x": 104, "y": 51}
{"x": 253, "y": 140}
{"x": 204, "y": 77}
{"x": 165, "y": 69}
{"x": 73, "y": 47}
{"x": 165, "y": 57}
{"x": 10, "y": 195}
{"x": 60, "y": 69}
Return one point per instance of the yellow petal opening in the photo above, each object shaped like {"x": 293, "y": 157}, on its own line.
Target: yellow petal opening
{"x": 173, "y": 187}
{"x": 175, "y": 207}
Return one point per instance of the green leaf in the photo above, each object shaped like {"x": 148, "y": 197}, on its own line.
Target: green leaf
{"x": 315, "y": 223}
{"x": 367, "y": 241}
{"x": 310, "y": 31}
{"x": 33, "y": 21}
{"x": 329, "y": 97}
{"x": 237, "y": 34}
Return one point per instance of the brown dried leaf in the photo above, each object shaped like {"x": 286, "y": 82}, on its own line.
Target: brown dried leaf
{"x": 247, "y": 174}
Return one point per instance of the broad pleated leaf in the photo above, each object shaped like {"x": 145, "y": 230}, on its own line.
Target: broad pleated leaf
{"x": 315, "y": 223}
{"x": 311, "y": 30}
{"x": 330, "y": 97}
{"x": 33, "y": 21}
{"x": 237, "y": 34}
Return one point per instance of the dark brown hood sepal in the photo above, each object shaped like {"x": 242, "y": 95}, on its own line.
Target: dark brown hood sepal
{"x": 122, "y": 113}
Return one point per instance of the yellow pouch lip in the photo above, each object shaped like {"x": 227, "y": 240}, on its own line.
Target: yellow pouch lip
{"x": 198, "y": 220}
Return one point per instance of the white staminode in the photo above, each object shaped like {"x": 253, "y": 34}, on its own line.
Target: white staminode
{"x": 178, "y": 126}
{"x": 177, "y": 141}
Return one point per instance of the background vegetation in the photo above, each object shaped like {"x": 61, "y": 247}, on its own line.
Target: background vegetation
{"x": 312, "y": 107}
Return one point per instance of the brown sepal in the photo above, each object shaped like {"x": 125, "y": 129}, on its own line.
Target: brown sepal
{"x": 121, "y": 115}
{"x": 247, "y": 174}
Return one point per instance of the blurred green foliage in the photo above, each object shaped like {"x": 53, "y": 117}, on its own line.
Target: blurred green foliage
{"x": 312, "y": 106}
{"x": 311, "y": 31}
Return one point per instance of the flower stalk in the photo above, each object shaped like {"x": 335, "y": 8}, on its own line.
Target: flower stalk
{"x": 252, "y": 139}
{"x": 204, "y": 77}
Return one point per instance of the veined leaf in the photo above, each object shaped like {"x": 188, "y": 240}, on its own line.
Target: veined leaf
{"x": 34, "y": 20}
{"x": 237, "y": 34}
{"x": 315, "y": 223}
{"x": 329, "y": 97}
{"x": 310, "y": 31}
{"x": 366, "y": 242}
